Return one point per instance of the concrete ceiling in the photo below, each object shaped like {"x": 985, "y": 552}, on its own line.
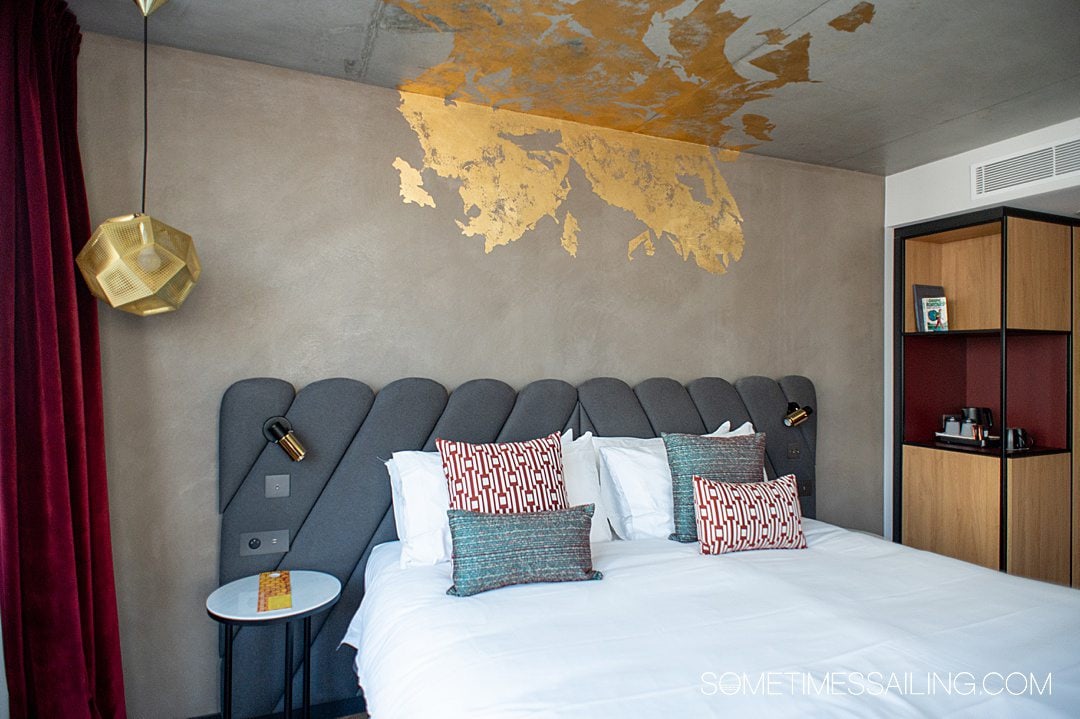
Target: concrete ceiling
{"x": 875, "y": 87}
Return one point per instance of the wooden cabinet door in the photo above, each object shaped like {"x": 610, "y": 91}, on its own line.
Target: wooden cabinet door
{"x": 1038, "y": 517}
{"x": 951, "y": 504}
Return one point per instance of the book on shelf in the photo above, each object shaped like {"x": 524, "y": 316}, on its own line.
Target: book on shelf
{"x": 921, "y": 292}
{"x": 935, "y": 314}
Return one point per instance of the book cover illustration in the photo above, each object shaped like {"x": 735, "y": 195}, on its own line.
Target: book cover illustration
{"x": 935, "y": 314}
{"x": 920, "y": 292}
{"x": 275, "y": 591}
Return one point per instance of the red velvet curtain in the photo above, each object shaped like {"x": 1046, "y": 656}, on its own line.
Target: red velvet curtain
{"x": 57, "y": 598}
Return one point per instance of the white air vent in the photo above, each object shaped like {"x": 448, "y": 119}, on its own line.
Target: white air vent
{"x": 1031, "y": 167}
{"x": 1067, "y": 157}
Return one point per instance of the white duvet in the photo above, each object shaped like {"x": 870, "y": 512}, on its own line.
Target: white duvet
{"x": 853, "y": 626}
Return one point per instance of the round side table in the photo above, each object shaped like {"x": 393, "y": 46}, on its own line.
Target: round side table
{"x": 236, "y": 603}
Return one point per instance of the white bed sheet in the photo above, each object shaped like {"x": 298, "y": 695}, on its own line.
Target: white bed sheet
{"x": 852, "y": 626}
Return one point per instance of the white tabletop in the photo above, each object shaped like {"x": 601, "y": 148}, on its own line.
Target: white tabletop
{"x": 238, "y": 601}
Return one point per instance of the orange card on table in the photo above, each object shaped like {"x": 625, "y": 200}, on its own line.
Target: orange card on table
{"x": 275, "y": 591}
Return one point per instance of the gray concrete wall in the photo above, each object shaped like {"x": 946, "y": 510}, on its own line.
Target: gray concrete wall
{"x": 314, "y": 267}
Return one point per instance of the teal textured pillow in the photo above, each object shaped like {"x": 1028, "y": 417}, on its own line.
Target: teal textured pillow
{"x": 497, "y": 550}
{"x": 718, "y": 459}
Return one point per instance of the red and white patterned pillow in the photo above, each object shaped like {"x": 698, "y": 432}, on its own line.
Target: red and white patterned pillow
{"x": 735, "y": 517}
{"x": 504, "y": 478}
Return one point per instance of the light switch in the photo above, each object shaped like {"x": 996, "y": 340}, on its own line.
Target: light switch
{"x": 275, "y": 542}
{"x": 277, "y": 485}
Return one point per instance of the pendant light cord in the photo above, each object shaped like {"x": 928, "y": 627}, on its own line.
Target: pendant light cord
{"x": 145, "y": 113}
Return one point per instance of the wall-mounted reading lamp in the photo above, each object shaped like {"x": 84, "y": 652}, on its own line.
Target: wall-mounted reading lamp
{"x": 796, "y": 415}
{"x": 279, "y": 430}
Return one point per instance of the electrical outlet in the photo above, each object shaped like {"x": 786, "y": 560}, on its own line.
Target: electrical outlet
{"x": 793, "y": 451}
{"x": 273, "y": 542}
{"x": 277, "y": 485}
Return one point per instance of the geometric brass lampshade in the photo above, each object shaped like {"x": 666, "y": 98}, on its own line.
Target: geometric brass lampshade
{"x": 139, "y": 264}
{"x": 136, "y": 263}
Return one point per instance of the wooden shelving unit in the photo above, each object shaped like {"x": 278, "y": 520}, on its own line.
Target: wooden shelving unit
{"x": 1010, "y": 278}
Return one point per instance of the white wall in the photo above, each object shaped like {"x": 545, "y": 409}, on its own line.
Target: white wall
{"x": 887, "y": 403}
{"x": 943, "y": 188}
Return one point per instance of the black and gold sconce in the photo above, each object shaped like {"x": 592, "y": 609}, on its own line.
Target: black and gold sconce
{"x": 279, "y": 431}
{"x": 796, "y": 415}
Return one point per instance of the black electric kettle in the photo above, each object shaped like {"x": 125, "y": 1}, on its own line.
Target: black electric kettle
{"x": 1017, "y": 438}
{"x": 979, "y": 415}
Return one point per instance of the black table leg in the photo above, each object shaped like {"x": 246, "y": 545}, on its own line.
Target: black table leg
{"x": 307, "y": 667}
{"x": 288, "y": 671}
{"x": 226, "y": 710}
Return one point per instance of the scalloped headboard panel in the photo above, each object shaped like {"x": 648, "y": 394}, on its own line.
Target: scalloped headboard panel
{"x": 339, "y": 505}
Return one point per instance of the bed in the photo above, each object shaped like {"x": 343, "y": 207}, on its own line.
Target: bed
{"x": 852, "y": 626}
{"x": 667, "y": 631}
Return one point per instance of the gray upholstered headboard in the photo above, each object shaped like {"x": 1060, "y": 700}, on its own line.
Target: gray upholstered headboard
{"x": 339, "y": 504}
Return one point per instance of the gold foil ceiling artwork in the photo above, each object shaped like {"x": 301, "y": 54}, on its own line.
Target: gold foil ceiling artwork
{"x": 757, "y": 126}
{"x": 851, "y": 21}
{"x": 412, "y": 185}
{"x": 569, "y": 235}
{"x": 511, "y": 171}
{"x": 658, "y": 67}
{"x": 774, "y": 36}
{"x": 640, "y": 94}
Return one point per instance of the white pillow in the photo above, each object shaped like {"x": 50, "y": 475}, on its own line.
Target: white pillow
{"x": 398, "y": 501}
{"x": 636, "y": 483}
{"x": 421, "y": 499}
{"x": 641, "y": 480}
{"x": 618, "y": 504}
{"x": 725, "y": 430}
{"x": 583, "y": 483}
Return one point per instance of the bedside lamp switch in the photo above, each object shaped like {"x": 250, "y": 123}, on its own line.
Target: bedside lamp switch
{"x": 793, "y": 451}
{"x": 277, "y": 485}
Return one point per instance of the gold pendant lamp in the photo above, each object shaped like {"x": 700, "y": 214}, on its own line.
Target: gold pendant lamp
{"x": 149, "y": 6}
{"x": 137, "y": 263}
